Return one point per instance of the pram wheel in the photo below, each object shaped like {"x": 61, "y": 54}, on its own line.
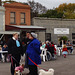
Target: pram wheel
{"x": 49, "y": 56}
{"x": 55, "y": 57}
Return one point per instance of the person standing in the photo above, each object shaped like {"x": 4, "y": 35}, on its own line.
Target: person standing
{"x": 33, "y": 52}
{"x": 15, "y": 49}
{"x": 64, "y": 51}
{"x": 26, "y": 41}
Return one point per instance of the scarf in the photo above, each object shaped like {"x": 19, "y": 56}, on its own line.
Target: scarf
{"x": 17, "y": 43}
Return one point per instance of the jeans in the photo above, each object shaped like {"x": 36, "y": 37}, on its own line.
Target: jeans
{"x": 14, "y": 63}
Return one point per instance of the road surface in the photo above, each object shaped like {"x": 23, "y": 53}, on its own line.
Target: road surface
{"x": 62, "y": 66}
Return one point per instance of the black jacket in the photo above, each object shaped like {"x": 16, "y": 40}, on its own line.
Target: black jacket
{"x": 26, "y": 42}
{"x": 13, "y": 49}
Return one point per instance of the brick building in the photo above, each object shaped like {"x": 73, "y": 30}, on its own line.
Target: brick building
{"x": 17, "y": 14}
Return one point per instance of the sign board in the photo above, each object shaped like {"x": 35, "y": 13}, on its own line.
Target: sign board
{"x": 61, "y": 30}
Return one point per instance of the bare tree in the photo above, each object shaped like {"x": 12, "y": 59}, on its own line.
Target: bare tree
{"x": 37, "y": 7}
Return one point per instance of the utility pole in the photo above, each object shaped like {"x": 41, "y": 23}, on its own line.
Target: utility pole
{"x": 0, "y": 3}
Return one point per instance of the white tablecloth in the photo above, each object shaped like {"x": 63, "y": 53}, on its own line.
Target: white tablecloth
{"x": 3, "y": 52}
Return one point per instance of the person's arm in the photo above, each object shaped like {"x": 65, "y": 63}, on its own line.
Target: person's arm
{"x": 46, "y": 46}
{"x": 22, "y": 51}
{"x": 54, "y": 49}
{"x": 10, "y": 47}
{"x": 36, "y": 46}
{"x": 3, "y": 49}
{"x": 67, "y": 49}
{"x": 62, "y": 49}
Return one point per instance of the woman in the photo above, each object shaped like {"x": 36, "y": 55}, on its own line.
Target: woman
{"x": 43, "y": 45}
{"x": 33, "y": 52}
{"x": 16, "y": 50}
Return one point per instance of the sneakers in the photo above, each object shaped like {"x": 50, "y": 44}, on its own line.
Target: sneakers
{"x": 64, "y": 55}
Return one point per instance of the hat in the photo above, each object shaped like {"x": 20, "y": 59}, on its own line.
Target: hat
{"x": 34, "y": 34}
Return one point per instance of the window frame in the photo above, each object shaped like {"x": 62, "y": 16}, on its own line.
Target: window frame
{"x": 13, "y": 17}
{"x": 73, "y": 35}
{"x": 48, "y": 36}
{"x": 22, "y": 18}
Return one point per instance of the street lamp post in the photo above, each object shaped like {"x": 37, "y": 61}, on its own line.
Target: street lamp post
{"x": 0, "y": 3}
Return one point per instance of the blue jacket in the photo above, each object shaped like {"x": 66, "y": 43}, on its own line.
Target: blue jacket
{"x": 33, "y": 52}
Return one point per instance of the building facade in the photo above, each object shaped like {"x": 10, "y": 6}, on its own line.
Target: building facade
{"x": 17, "y": 14}
{"x": 18, "y": 19}
{"x": 2, "y": 18}
{"x": 56, "y": 28}
{"x": 11, "y": 14}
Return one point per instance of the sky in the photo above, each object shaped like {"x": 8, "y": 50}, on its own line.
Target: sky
{"x": 50, "y": 3}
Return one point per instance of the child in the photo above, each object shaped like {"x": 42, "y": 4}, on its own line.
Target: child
{"x": 65, "y": 51}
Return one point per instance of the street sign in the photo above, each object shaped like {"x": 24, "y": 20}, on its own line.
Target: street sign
{"x": 61, "y": 30}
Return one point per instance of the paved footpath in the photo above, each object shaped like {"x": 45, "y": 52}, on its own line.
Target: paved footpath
{"x": 62, "y": 66}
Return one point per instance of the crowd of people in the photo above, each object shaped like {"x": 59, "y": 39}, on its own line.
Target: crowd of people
{"x": 4, "y": 48}
{"x": 30, "y": 46}
{"x": 51, "y": 47}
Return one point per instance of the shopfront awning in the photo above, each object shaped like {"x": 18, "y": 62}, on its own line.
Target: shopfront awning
{"x": 19, "y": 27}
{"x": 8, "y": 32}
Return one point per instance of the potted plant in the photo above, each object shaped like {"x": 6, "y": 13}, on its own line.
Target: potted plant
{"x": 64, "y": 38}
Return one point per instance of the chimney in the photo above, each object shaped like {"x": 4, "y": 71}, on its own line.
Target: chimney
{"x": 0, "y": 3}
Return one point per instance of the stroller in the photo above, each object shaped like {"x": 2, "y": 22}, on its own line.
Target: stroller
{"x": 51, "y": 52}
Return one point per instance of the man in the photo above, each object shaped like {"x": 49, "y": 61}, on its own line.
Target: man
{"x": 26, "y": 41}
{"x": 15, "y": 49}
